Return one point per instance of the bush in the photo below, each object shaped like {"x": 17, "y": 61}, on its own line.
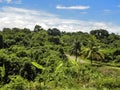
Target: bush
{"x": 108, "y": 82}
{"x": 117, "y": 59}
{"x": 16, "y": 83}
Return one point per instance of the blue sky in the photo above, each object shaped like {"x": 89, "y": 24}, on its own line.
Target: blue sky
{"x": 66, "y": 15}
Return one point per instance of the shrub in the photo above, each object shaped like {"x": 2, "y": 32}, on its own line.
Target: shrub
{"x": 16, "y": 83}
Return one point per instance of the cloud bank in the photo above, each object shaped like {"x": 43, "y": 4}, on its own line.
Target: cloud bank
{"x": 24, "y": 18}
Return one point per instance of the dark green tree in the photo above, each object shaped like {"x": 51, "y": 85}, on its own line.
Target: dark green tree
{"x": 76, "y": 49}
{"x": 93, "y": 51}
{"x": 1, "y": 42}
{"x": 54, "y": 32}
{"x": 37, "y": 28}
{"x": 101, "y": 34}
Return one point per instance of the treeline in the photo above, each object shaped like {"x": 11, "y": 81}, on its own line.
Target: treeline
{"x": 37, "y": 59}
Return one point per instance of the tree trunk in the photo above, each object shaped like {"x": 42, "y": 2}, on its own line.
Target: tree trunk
{"x": 76, "y": 55}
{"x": 91, "y": 60}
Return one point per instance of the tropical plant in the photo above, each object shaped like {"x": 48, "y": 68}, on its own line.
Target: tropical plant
{"x": 93, "y": 51}
{"x": 76, "y": 48}
{"x": 37, "y": 65}
{"x": 1, "y": 41}
{"x": 2, "y": 74}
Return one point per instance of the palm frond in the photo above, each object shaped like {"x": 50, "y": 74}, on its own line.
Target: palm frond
{"x": 37, "y": 65}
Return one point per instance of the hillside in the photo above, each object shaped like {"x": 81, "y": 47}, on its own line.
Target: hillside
{"x": 54, "y": 60}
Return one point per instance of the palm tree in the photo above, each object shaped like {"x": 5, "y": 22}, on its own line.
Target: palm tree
{"x": 76, "y": 49}
{"x": 93, "y": 51}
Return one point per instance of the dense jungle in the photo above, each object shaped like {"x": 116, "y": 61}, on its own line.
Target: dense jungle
{"x": 51, "y": 59}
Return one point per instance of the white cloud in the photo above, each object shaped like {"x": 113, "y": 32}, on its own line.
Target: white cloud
{"x": 11, "y": 1}
{"x": 72, "y": 7}
{"x": 18, "y": 17}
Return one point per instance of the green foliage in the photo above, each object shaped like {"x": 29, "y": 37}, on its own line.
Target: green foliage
{"x": 54, "y": 32}
{"x": 76, "y": 49}
{"x": 93, "y": 53}
{"x": 107, "y": 82}
{"x": 2, "y": 69}
{"x": 37, "y": 60}
{"x": 1, "y": 42}
{"x": 55, "y": 40}
{"x": 117, "y": 59}
{"x": 16, "y": 83}
{"x": 38, "y": 65}
{"x": 37, "y": 28}
{"x": 27, "y": 71}
{"x": 100, "y": 34}
{"x": 2, "y": 74}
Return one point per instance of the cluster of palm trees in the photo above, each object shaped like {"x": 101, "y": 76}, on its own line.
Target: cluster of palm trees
{"x": 92, "y": 52}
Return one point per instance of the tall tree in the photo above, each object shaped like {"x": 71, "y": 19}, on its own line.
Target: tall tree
{"x": 93, "y": 51}
{"x": 1, "y": 42}
{"x": 76, "y": 49}
{"x": 37, "y": 28}
{"x": 100, "y": 33}
{"x": 54, "y": 32}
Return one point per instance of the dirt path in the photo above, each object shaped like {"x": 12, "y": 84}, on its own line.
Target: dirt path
{"x": 71, "y": 57}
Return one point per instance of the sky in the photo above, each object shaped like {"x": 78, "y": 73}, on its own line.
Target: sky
{"x": 66, "y": 15}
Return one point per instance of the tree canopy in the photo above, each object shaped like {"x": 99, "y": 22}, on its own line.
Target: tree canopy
{"x": 40, "y": 59}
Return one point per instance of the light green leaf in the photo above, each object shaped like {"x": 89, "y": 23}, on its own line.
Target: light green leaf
{"x": 2, "y": 69}
{"x": 58, "y": 67}
{"x": 37, "y": 65}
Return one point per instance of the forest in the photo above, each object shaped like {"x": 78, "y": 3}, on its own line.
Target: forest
{"x": 51, "y": 59}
